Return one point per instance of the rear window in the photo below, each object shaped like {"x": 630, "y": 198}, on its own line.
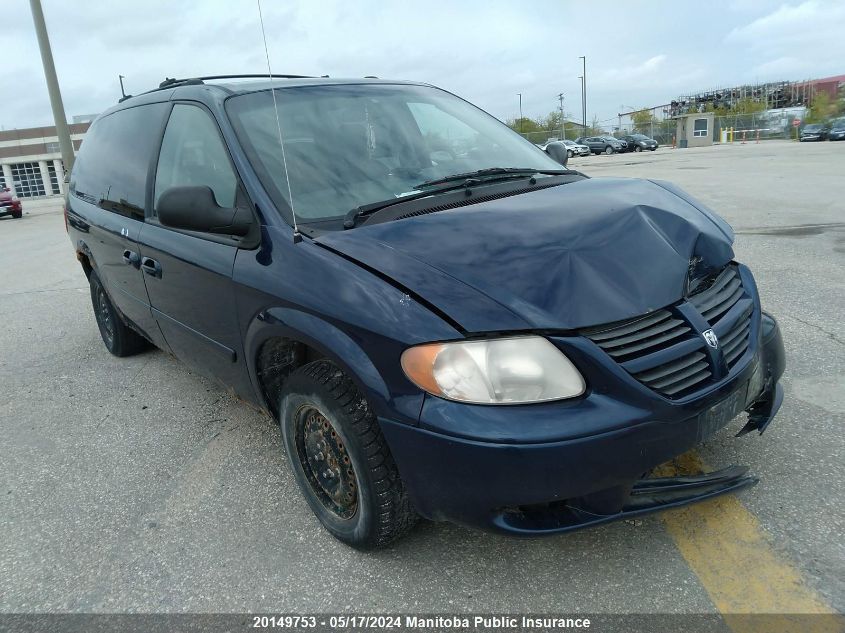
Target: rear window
{"x": 113, "y": 163}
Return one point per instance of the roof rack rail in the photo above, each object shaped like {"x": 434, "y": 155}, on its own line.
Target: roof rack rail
{"x": 172, "y": 82}
{"x": 190, "y": 81}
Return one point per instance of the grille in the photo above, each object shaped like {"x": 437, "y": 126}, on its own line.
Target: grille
{"x": 636, "y": 339}
{"x": 714, "y": 303}
{"x": 662, "y": 351}
{"x": 736, "y": 341}
{"x": 677, "y": 376}
{"x": 626, "y": 340}
{"x": 720, "y": 296}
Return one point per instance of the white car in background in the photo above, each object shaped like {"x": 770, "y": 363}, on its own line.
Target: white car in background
{"x": 572, "y": 148}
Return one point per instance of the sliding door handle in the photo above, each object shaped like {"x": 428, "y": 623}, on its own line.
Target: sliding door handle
{"x": 151, "y": 266}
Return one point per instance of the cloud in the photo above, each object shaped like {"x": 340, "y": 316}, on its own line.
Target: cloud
{"x": 800, "y": 38}
{"x": 486, "y": 52}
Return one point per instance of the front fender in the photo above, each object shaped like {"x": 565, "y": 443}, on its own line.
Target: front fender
{"x": 336, "y": 346}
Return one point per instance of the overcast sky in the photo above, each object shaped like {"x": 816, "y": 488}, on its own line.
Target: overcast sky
{"x": 638, "y": 53}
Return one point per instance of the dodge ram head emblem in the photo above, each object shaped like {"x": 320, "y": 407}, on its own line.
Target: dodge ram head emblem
{"x": 710, "y": 337}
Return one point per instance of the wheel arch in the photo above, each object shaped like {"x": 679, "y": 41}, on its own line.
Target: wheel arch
{"x": 280, "y": 340}
{"x": 85, "y": 258}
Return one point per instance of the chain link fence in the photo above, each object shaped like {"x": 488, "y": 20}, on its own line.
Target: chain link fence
{"x": 772, "y": 124}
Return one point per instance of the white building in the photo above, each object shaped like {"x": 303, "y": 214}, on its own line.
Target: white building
{"x": 31, "y": 160}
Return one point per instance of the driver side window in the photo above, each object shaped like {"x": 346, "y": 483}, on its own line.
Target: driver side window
{"x": 192, "y": 154}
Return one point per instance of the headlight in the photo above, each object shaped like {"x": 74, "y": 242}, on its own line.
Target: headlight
{"x": 496, "y": 371}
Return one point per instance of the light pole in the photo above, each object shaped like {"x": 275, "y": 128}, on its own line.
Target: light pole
{"x": 583, "y": 112}
{"x": 519, "y": 94}
{"x": 52, "y": 84}
{"x": 583, "y": 59}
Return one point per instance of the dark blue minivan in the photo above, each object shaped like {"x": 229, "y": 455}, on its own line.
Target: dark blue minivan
{"x": 446, "y": 322}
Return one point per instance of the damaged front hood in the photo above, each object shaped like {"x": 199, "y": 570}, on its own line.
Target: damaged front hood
{"x": 589, "y": 252}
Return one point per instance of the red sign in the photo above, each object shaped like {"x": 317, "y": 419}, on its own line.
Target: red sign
{"x": 796, "y": 122}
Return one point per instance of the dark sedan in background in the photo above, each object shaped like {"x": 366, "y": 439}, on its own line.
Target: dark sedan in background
{"x": 602, "y": 144}
{"x": 814, "y": 132}
{"x": 837, "y": 130}
{"x": 640, "y": 142}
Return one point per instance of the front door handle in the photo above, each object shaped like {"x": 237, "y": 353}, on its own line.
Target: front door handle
{"x": 151, "y": 266}
{"x": 132, "y": 258}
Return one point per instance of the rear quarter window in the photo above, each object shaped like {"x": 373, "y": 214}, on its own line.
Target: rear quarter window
{"x": 114, "y": 160}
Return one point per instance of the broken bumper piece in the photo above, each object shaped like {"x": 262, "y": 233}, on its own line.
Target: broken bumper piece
{"x": 646, "y": 495}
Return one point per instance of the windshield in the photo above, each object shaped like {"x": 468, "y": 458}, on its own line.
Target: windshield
{"x": 353, "y": 145}
{"x": 813, "y": 127}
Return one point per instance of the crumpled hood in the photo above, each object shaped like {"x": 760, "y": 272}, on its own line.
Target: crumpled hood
{"x": 589, "y": 252}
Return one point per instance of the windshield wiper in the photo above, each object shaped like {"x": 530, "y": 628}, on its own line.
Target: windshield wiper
{"x": 493, "y": 172}
{"x": 449, "y": 183}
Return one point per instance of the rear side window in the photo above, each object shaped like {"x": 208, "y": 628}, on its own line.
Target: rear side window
{"x": 113, "y": 163}
{"x": 193, "y": 154}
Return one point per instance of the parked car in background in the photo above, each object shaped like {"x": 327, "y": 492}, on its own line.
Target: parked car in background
{"x": 601, "y": 144}
{"x": 576, "y": 149}
{"x": 837, "y": 130}
{"x": 557, "y": 150}
{"x": 483, "y": 337}
{"x": 570, "y": 147}
{"x": 626, "y": 146}
{"x": 814, "y": 132}
{"x": 640, "y": 142}
{"x": 10, "y": 204}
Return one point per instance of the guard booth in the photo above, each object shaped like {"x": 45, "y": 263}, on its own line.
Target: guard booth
{"x": 694, "y": 130}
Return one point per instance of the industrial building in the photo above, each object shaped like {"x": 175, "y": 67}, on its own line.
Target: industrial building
{"x": 32, "y": 162}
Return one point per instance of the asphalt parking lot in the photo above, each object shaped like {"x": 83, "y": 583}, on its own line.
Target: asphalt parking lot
{"x": 134, "y": 484}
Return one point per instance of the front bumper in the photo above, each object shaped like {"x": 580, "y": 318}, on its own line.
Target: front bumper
{"x": 530, "y": 487}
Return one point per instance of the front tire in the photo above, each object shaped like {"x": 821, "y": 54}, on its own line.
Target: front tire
{"x": 608, "y": 150}
{"x": 340, "y": 458}
{"x": 569, "y": 153}
{"x": 118, "y": 338}
{"x": 637, "y": 148}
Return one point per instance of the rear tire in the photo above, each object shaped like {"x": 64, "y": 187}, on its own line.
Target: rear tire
{"x": 118, "y": 338}
{"x": 340, "y": 458}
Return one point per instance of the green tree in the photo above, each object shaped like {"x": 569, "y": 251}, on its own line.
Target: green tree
{"x": 524, "y": 125}
{"x": 821, "y": 108}
{"x": 747, "y": 105}
{"x": 644, "y": 121}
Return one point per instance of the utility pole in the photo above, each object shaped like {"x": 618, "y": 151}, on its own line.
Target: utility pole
{"x": 52, "y": 84}
{"x": 519, "y": 94}
{"x": 583, "y": 59}
{"x": 562, "y": 124}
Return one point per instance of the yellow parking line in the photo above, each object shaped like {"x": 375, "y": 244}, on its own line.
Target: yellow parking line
{"x": 726, "y": 547}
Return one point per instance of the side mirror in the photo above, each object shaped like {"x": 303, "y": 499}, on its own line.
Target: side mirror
{"x": 195, "y": 209}
{"x": 558, "y": 152}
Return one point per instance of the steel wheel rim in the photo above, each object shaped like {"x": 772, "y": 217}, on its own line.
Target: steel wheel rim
{"x": 325, "y": 462}
{"x": 104, "y": 316}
